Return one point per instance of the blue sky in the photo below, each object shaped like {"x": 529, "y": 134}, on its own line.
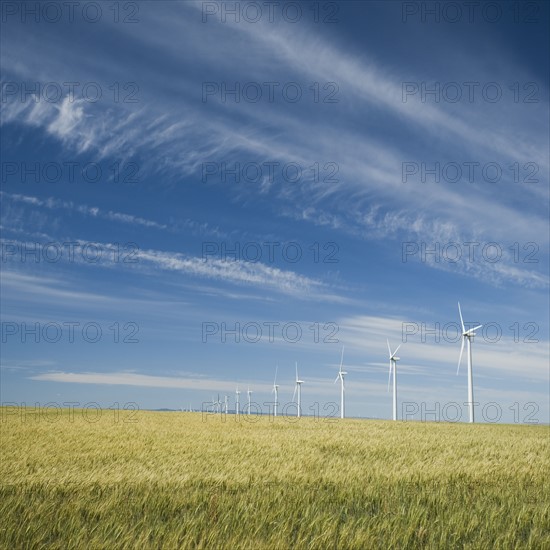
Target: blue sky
{"x": 330, "y": 215}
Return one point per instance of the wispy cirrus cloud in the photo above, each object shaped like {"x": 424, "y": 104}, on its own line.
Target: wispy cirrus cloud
{"x": 171, "y": 124}
{"x": 50, "y": 203}
{"x": 57, "y": 204}
{"x": 419, "y": 230}
{"x": 254, "y": 275}
{"x": 192, "y": 381}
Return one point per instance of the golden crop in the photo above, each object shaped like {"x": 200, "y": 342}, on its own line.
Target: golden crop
{"x": 181, "y": 480}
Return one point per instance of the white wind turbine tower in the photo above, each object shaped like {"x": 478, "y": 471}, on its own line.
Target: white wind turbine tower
{"x": 468, "y": 335}
{"x": 249, "y": 393}
{"x": 237, "y": 401}
{"x": 340, "y": 377}
{"x": 275, "y": 390}
{"x": 226, "y": 405}
{"x": 298, "y": 388}
{"x": 393, "y": 366}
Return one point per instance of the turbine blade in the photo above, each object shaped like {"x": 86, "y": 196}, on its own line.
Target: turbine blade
{"x": 296, "y": 371}
{"x": 389, "y": 349}
{"x": 276, "y": 369}
{"x": 389, "y": 376}
{"x": 294, "y": 394}
{"x": 397, "y": 349}
{"x": 342, "y": 359}
{"x": 461, "y": 320}
{"x": 336, "y": 379}
{"x": 475, "y": 328}
{"x": 460, "y": 357}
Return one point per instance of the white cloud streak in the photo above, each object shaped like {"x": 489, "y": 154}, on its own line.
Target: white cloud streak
{"x": 370, "y": 167}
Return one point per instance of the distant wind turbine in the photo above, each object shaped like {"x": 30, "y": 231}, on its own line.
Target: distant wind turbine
{"x": 226, "y": 404}
{"x": 340, "y": 377}
{"x": 237, "y": 401}
{"x": 468, "y": 335}
{"x": 275, "y": 390}
{"x": 393, "y": 366}
{"x": 298, "y": 388}
{"x": 249, "y": 393}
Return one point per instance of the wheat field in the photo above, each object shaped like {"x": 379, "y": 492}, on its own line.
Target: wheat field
{"x": 186, "y": 480}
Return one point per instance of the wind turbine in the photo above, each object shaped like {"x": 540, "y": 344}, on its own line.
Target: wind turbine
{"x": 219, "y": 405}
{"x": 237, "y": 401}
{"x": 275, "y": 390}
{"x": 340, "y": 377}
{"x": 226, "y": 405}
{"x": 393, "y": 366}
{"x": 249, "y": 393}
{"x": 298, "y": 388}
{"x": 468, "y": 335}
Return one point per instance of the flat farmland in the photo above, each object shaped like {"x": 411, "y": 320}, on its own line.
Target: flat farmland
{"x": 186, "y": 480}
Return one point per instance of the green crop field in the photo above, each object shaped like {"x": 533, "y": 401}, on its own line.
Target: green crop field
{"x": 178, "y": 480}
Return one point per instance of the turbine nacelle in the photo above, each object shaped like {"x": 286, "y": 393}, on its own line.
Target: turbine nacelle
{"x": 275, "y": 385}
{"x": 341, "y": 373}
{"x": 297, "y": 387}
{"x": 392, "y": 354}
{"x": 466, "y": 334}
{"x": 393, "y": 361}
{"x": 340, "y": 376}
{"x": 298, "y": 381}
{"x": 471, "y": 332}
